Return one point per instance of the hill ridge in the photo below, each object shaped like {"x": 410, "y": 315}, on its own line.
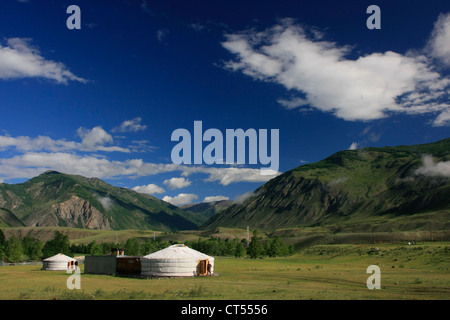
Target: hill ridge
{"x": 59, "y": 199}
{"x": 348, "y": 185}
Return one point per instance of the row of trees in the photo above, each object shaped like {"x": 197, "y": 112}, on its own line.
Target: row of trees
{"x": 132, "y": 247}
{"x": 258, "y": 247}
{"x": 18, "y": 249}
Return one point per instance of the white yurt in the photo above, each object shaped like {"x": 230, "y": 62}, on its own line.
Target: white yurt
{"x": 58, "y": 262}
{"x": 177, "y": 260}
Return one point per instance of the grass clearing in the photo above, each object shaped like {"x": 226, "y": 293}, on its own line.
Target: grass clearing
{"x": 319, "y": 272}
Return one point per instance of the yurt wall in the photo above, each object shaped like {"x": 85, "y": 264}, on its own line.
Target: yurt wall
{"x": 175, "y": 261}
{"x": 58, "y": 262}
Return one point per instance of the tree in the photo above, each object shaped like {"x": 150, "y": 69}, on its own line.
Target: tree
{"x": 59, "y": 244}
{"x": 94, "y": 248}
{"x": 150, "y": 246}
{"x": 14, "y": 250}
{"x": 276, "y": 247}
{"x": 2, "y": 245}
{"x": 239, "y": 250}
{"x": 255, "y": 249}
{"x": 32, "y": 247}
{"x": 2, "y": 238}
{"x": 132, "y": 247}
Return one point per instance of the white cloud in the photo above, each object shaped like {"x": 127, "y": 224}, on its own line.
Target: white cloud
{"x": 162, "y": 34}
{"x": 337, "y": 181}
{"x": 20, "y": 60}
{"x": 36, "y": 155}
{"x": 31, "y": 164}
{"x": 106, "y": 202}
{"x": 370, "y": 87}
{"x": 229, "y": 175}
{"x": 215, "y": 198}
{"x": 293, "y": 103}
{"x": 439, "y": 42}
{"x": 24, "y": 143}
{"x": 132, "y": 125}
{"x": 241, "y": 198}
{"x": 434, "y": 169}
{"x": 177, "y": 183}
{"x": 197, "y": 26}
{"x": 94, "y": 137}
{"x": 181, "y": 199}
{"x": 443, "y": 119}
{"x": 149, "y": 189}
{"x": 353, "y": 146}
{"x": 92, "y": 140}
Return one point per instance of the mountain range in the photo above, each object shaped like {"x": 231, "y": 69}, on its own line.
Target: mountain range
{"x": 57, "y": 199}
{"x": 351, "y": 186}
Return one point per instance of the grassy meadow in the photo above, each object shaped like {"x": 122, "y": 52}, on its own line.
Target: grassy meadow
{"x": 319, "y": 272}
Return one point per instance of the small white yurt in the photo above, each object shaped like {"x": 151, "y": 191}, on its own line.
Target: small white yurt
{"x": 176, "y": 261}
{"x": 58, "y": 262}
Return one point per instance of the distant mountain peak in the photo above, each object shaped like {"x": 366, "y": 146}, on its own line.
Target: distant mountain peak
{"x": 49, "y": 172}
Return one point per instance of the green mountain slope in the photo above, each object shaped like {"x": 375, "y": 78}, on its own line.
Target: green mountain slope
{"x": 56, "y": 199}
{"x": 208, "y": 209}
{"x": 349, "y": 186}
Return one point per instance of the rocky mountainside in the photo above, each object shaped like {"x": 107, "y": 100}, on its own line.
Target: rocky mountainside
{"x": 351, "y": 185}
{"x": 57, "y": 199}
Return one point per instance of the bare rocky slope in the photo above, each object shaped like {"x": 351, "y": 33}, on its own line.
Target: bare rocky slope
{"x": 57, "y": 199}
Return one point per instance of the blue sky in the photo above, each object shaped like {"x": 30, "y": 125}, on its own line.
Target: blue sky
{"x": 104, "y": 100}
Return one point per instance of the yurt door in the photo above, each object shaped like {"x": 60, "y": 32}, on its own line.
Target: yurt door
{"x": 201, "y": 267}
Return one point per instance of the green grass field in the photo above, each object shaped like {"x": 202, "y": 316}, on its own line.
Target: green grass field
{"x": 320, "y": 272}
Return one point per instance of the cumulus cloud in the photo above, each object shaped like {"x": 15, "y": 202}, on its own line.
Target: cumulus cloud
{"x": 439, "y": 42}
{"x": 443, "y": 119}
{"x": 149, "y": 189}
{"x": 353, "y": 146}
{"x": 177, "y": 183}
{"x": 228, "y": 175}
{"x": 369, "y": 87}
{"x": 132, "y": 125}
{"x": 18, "y": 59}
{"x": 434, "y": 169}
{"x": 215, "y": 198}
{"x": 92, "y": 140}
{"x": 181, "y": 199}
{"x": 31, "y": 164}
{"x": 24, "y": 143}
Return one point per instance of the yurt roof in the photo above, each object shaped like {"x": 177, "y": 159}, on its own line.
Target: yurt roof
{"x": 177, "y": 251}
{"x": 59, "y": 257}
